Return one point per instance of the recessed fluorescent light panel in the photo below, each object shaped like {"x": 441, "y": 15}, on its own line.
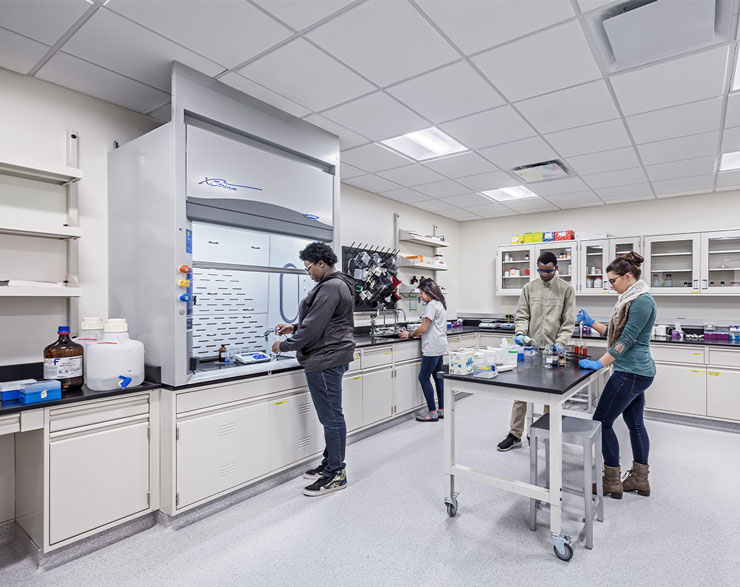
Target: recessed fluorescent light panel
{"x": 425, "y": 144}
{"x": 541, "y": 171}
{"x": 508, "y": 194}
{"x": 730, "y": 161}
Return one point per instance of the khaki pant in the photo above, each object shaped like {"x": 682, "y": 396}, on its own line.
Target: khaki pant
{"x": 518, "y": 413}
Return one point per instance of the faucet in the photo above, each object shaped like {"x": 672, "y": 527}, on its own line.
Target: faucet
{"x": 395, "y": 313}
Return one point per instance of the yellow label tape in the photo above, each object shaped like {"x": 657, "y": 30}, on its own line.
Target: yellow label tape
{"x": 285, "y": 401}
{"x": 715, "y": 373}
{"x": 356, "y": 378}
{"x": 697, "y": 371}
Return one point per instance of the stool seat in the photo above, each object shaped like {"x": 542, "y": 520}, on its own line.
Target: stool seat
{"x": 572, "y": 427}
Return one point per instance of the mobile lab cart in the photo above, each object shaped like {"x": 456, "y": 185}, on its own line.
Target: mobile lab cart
{"x": 532, "y": 383}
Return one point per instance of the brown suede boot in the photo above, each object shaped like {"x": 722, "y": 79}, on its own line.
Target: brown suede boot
{"x": 611, "y": 481}
{"x": 636, "y": 479}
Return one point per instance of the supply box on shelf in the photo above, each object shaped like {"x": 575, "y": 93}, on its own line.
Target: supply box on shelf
{"x": 532, "y": 237}
{"x": 41, "y": 391}
{"x": 11, "y": 390}
{"x": 517, "y": 239}
{"x": 565, "y": 235}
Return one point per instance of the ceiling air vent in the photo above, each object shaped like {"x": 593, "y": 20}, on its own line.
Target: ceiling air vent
{"x": 554, "y": 169}
{"x": 638, "y": 32}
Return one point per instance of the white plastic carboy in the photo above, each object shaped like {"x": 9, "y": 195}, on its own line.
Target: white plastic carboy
{"x": 116, "y": 361}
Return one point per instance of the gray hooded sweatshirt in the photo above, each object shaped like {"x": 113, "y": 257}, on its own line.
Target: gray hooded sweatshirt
{"x": 324, "y": 335}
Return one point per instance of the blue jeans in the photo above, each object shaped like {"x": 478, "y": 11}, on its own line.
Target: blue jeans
{"x": 326, "y": 392}
{"x": 429, "y": 368}
{"x": 624, "y": 394}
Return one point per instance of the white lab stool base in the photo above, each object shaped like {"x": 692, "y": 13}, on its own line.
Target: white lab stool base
{"x": 585, "y": 433}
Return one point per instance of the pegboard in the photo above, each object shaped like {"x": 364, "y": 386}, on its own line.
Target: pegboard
{"x": 374, "y": 271}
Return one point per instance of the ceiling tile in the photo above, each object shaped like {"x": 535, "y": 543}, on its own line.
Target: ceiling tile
{"x": 262, "y": 93}
{"x": 18, "y": 53}
{"x": 372, "y": 183}
{"x": 673, "y": 82}
{"x": 347, "y": 138}
{"x": 531, "y": 206}
{"x": 411, "y": 175}
{"x": 516, "y": 153}
{"x": 474, "y": 25}
{"x": 460, "y": 165}
{"x": 604, "y": 161}
{"x": 616, "y": 178}
{"x": 346, "y": 171}
{"x": 214, "y": 31}
{"x": 640, "y": 191}
{"x": 300, "y": 15}
{"x": 377, "y": 116}
{"x": 520, "y": 70}
{"x": 728, "y": 180}
{"x": 407, "y": 196}
{"x": 590, "y": 139}
{"x": 372, "y": 158}
{"x": 688, "y": 119}
{"x": 558, "y": 186}
{"x": 488, "y": 181}
{"x": 626, "y": 199}
{"x": 95, "y": 81}
{"x": 306, "y": 75}
{"x": 449, "y": 92}
{"x": 733, "y": 110}
{"x": 680, "y": 148}
{"x": 458, "y": 214}
{"x": 492, "y": 210}
{"x": 467, "y": 200}
{"x": 587, "y": 5}
{"x": 120, "y": 45}
{"x": 384, "y": 41}
{"x": 492, "y": 127}
{"x": 731, "y": 140}
{"x": 575, "y": 200}
{"x": 42, "y": 20}
{"x": 677, "y": 169}
{"x": 577, "y": 106}
{"x": 684, "y": 186}
{"x": 441, "y": 189}
{"x": 432, "y": 205}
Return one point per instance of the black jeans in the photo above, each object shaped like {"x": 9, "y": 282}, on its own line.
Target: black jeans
{"x": 326, "y": 392}
{"x": 624, "y": 394}
{"x": 429, "y": 368}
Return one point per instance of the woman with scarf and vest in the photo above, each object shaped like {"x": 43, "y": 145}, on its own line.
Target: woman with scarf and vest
{"x": 628, "y": 335}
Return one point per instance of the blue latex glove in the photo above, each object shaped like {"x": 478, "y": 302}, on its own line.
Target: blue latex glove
{"x": 585, "y": 318}
{"x": 519, "y": 339}
{"x": 589, "y": 364}
{"x": 558, "y": 348}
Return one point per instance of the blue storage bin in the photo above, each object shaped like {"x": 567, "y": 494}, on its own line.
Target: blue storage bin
{"x": 41, "y": 391}
{"x": 11, "y": 390}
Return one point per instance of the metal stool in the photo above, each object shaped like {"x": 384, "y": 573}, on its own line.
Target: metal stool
{"x": 586, "y": 433}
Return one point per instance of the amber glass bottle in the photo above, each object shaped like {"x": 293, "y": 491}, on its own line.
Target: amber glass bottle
{"x": 63, "y": 361}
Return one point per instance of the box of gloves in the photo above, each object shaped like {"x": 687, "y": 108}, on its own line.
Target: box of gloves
{"x": 461, "y": 361}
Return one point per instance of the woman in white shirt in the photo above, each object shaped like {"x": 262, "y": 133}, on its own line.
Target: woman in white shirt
{"x": 433, "y": 332}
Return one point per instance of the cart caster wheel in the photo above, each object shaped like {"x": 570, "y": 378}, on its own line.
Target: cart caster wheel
{"x": 566, "y": 555}
{"x": 451, "y": 509}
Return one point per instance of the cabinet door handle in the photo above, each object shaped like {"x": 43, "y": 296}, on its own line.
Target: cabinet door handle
{"x": 696, "y": 284}
{"x": 704, "y": 284}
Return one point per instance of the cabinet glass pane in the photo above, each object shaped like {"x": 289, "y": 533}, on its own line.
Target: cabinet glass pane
{"x": 724, "y": 262}
{"x": 593, "y": 267}
{"x": 671, "y": 263}
{"x": 515, "y": 268}
{"x": 624, "y": 248}
{"x": 564, "y": 255}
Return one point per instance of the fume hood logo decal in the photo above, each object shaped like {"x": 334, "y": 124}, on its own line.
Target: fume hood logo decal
{"x": 311, "y": 216}
{"x": 223, "y": 184}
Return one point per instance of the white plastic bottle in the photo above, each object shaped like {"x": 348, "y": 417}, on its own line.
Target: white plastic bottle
{"x": 91, "y": 331}
{"x": 116, "y": 361}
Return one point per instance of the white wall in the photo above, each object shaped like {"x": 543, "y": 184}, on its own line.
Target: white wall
{"x": 36, "y": 118}
{"x": 704, "y": 212}
{"x": 369, "y": 218}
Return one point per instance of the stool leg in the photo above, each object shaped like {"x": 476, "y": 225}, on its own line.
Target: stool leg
{"x": 530, "y": 421}
{"x": 547, "y": 463}
{"x": 588, "y": 472}
{"x": 598, "y": 466}
{"x": 533, "y": 480}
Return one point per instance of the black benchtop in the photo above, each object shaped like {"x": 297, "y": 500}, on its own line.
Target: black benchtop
{"x": 530, "y": 374}
{"x": 71, "y": 397}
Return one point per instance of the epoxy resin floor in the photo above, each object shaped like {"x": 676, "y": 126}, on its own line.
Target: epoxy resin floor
{"x": 390, "y": 526}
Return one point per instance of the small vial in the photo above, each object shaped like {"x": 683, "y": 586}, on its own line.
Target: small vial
{"x": 222, "y": 354}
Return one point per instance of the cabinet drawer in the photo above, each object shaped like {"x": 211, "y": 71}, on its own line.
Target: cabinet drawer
{"x": 453, "y": 342}
{"x": 678, "y": 354}
{"x": 725, "y": 358}
{"x": 377, "y": 357}
{"x": 356, "y": 363}
{"x": 227, "y": 244}
{"x": 407, "y": 351}
{"x": 97, "y": 412}
{"x": 493, "y": 340}
{"x": 468, "y": 340}
{"x": 10, "y": 424}
{"x": 723, "y": 393}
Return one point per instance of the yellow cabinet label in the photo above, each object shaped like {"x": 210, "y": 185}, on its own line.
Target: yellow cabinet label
{"x": 714, "y": 373}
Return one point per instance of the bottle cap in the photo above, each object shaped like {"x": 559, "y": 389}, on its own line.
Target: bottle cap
{"x": 116, "y": 325}
{"x": 91, "y": 323}
{"x": 63, "y": 330}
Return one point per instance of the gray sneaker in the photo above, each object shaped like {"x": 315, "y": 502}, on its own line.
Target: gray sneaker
{"x": 327, "y": 484}
{"x": 508, "y": 443}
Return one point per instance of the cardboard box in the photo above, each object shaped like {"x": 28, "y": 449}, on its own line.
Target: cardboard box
{"x": 532, "y": 237}
{"x": 461, "y": 361}
{"x": 548, "y": 237}
{"x": 517, "y": 239}
{"x": 564, "y": 235}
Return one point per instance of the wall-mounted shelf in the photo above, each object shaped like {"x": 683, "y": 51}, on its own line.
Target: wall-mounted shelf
{"x": 430, "y": 266}
{"x": 41, "y": 292}
{"x": 413, "y": 237}
{"x": 40, "y": 171}
{"x": 60, "y": 232}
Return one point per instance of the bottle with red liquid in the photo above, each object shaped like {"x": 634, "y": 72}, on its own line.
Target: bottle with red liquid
{"x": 63, "y": 361}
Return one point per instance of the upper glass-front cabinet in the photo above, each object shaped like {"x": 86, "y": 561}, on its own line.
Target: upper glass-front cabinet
{"x": 514, "y": 268}
{"x": 617, "y": 248}
{"x": 720, "y": 267}
{"x": 593, "y": 258}
{"x": 672, "y": 263}
{"x": 565, "y": 253}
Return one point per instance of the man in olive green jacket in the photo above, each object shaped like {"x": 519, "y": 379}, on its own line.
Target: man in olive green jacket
{"x": 546, "y": 313}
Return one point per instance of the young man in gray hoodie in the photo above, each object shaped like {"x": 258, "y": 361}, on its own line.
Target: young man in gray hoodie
{"x": 325, "y": 344}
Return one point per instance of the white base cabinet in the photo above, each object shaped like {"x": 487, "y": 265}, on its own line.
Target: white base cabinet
{"x": 377, "y": 396}
{"x": 352, "y": 401}
{"x": 408, "y": 394}
{"x": 295, "y": 430}
{"x": 678, "y": 388}
{"x": 723, "y": 393}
